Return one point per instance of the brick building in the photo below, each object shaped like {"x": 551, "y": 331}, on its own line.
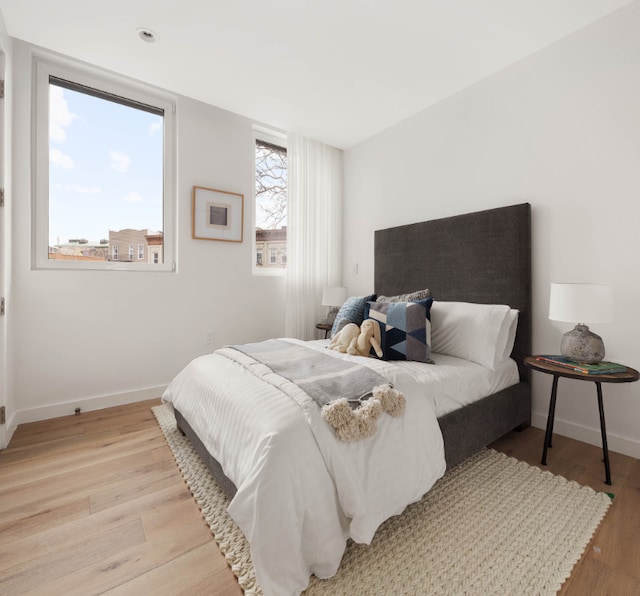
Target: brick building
{"x": 271, "y": 248}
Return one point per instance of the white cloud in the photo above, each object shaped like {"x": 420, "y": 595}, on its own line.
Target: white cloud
{"x": 119, "y": 161}
{"x": 59, "y": 115}
{"x": 132, "y": 197}
{"x": 154, "y": 127}
{"x": 80, "y": 189}
{"x": 61, "y": 160}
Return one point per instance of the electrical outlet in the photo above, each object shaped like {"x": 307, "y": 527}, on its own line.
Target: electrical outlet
{"x": 208, "y": 337}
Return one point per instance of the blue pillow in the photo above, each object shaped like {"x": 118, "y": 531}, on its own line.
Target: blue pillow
{"x": 352, "y": 309}
{"x": 405, "y": 329}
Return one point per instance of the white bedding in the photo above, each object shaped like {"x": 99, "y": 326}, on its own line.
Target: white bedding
{"x": 301, "y": 492}
{"x": 461, "y": 382}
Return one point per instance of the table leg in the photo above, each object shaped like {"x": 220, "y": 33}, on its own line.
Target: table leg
{"x": 603, "y": 430}
{"x": 552, "y": 413}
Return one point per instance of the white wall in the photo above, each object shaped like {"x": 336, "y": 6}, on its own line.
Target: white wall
{"x": 6, "y": 397}
{"x": 560, "y": 130}
{"x": 69, "y": 326}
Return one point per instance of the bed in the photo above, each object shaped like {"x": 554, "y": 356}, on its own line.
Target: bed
{"x": 481, "y": 258}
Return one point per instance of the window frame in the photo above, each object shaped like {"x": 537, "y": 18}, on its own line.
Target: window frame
{"x": 44, "y": 68}
{"x": 275, "y": 137}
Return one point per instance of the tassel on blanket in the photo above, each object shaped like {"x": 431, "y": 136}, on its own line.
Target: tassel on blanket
{"x": 352, "y": 425}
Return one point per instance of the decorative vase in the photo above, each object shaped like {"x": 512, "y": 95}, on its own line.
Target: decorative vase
{"x": 582, "y": 345}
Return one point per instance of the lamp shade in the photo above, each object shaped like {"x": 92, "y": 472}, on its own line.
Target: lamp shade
{"x": 334, "y": 296}
{"x": 581, "y": 303}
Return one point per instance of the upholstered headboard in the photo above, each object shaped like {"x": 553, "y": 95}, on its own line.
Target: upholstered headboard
{"x": 482, "y": 257}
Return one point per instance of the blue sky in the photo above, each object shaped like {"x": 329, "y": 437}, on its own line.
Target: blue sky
{"x": 105, "y": 167}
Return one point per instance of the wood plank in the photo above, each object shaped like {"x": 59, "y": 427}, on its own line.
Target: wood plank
{"x": 64, "y": 535}
{"x": 26, "y": 497}
{"x": 42, "y": 572}
{"x": 618, "y": 543}
{"x": 599, "y": 579}
{"x": 50, "y": 465}
{"x": 46, "y": 430}
{"x": 154, "y": 478}
{"x": 22, "y": 522}
{"x": 169, "y": 580}
{"x": 172, "y": 529}
{"x": 79, "y": 435}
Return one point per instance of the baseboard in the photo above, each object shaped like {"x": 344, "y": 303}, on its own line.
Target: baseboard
{"x": 87, "y": 405}
{"x": 624, "y": 445}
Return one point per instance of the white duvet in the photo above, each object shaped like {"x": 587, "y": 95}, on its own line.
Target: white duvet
{"x": 301, "y": 492}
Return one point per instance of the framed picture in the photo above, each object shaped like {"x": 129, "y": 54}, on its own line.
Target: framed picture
{"x": 217, "y": 215}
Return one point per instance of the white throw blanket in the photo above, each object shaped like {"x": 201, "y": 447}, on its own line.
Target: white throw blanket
{"x": 352, "y": 396}
{"x": 301, "y": 492}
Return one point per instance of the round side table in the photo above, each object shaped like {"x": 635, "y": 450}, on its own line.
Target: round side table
{"x": 324, "y": 327}
{"x": 628, "y": 376}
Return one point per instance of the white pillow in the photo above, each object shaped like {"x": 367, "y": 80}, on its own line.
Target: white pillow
{"x": 482, "y": 333}
{"x": 508, "y": 334}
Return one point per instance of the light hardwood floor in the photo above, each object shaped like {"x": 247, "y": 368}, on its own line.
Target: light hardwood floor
{"x": 94, "y": 504}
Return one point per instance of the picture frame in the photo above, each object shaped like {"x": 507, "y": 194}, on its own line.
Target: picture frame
{"x": 217, "y": 215}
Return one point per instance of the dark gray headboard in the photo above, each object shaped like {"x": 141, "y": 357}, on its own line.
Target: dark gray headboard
{"x": 482, "y": 257}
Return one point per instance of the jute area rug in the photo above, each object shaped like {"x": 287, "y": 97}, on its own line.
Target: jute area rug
{"x": 492, "y": 525}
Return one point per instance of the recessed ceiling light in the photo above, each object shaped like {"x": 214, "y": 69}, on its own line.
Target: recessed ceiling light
{"x": 147, "y": 35}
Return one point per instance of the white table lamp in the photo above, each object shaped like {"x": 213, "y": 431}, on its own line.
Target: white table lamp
{"x": 334, "y": 297}
{"x": 581, "y": 304}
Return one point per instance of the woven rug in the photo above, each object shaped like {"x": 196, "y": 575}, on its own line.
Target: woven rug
{"x": 492, "y": 525}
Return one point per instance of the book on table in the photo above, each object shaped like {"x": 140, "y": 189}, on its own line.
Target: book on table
{"x": 599, "y": 368}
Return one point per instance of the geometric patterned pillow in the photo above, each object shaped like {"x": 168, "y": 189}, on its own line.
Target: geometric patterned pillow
{"x": 352, "y": 309}
{"x": 410, "y": 297}
{"x": 405, "y": 329}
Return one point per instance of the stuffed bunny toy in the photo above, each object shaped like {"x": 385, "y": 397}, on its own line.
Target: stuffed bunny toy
{"x": 358, "y": 341}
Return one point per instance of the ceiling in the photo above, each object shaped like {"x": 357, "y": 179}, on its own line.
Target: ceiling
{"x": 338, "y": 71}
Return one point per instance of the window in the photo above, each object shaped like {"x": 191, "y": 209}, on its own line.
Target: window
{"x": 270, "y": 201}
{"x": 104, "y": 169}
{"x": 156, "y": 257}
{"x": 283, "y": 256}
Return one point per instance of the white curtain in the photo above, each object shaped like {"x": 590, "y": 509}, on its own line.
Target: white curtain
{"x": 314, "y": 231}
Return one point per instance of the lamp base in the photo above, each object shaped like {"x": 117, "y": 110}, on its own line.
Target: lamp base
{"x": 582, "y": 345}
{"x": 331, "y": 315}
